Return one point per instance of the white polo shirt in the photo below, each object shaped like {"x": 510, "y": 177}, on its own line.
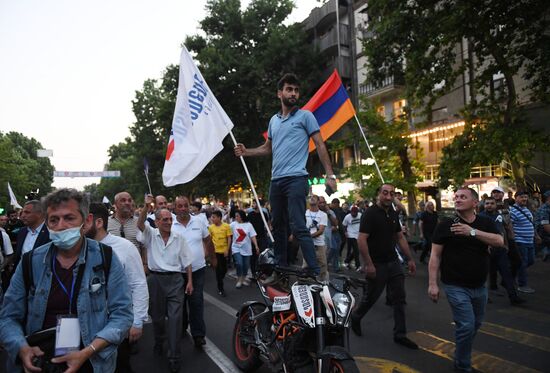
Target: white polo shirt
{"x": 194, "y": 233}
{"x": 174, "y": 256}
{"x": 135, "y": 276}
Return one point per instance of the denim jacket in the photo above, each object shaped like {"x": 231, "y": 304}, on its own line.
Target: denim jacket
{"x": 99, "y": 317}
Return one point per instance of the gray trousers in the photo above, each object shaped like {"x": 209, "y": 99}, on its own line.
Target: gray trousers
{"x": 166, "y": 300}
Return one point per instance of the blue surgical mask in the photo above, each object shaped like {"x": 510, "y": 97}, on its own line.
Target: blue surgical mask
{"x": 66, "y": 238}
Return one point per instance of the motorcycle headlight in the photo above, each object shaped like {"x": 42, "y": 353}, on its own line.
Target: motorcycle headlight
{"x": 342, "y": 303}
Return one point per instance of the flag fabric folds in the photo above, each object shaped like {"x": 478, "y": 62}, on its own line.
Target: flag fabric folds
{"x": 331, "y": 106}
{"x": 13, "y": 200}
{"x": 198, "y": 127}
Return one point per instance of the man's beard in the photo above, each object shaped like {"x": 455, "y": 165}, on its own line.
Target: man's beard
{"x": 92, "y": 232}
{"x": 290, "y": 102}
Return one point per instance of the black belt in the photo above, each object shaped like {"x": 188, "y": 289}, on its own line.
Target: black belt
{"x": 165, "y": 273}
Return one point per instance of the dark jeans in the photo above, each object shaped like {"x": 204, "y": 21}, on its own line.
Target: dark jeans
{"x": 221, "y": 270}
{"x": 195, "y": 302}
{"x": 499, "y": 261}
{"x": 426, "y": 246}
{"x": 514, "y": 258}
{"x": 288, "y": 206}
{"x": 123, "y": 357}
{"x": 353, "y": 252}
{"x": 390, "y": 275}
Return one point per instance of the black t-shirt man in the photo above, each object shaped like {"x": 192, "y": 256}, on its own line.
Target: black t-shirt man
{"x": 382, "y": 227}
{"x": 464, "y": 259}
{"x": 429, "y": 222}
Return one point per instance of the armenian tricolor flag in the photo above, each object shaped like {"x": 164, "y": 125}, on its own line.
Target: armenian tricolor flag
{"x": 331, "y": 106}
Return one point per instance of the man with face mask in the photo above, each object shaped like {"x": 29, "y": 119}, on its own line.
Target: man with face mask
{"x": 68, "y": 282}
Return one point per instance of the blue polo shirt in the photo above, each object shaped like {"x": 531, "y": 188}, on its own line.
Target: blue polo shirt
{"x": 290, "y": 142}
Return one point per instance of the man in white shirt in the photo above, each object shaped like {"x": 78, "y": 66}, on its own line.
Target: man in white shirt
{"x": 316, "y": 222}
{"x": 6, "y": 256}
{"x": 351, "y": 222}
{"x": 168, "y": 256}
{"x": 135, "y": 276}
{"x": 200, "y": 245}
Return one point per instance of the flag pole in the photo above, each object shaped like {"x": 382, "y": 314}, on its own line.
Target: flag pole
{"x": 253, "y": 189}
{"x": 148, "y": 184}
{"x": 368, "y": 147}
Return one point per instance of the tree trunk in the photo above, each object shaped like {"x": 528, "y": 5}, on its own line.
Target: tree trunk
{"x": 408, "y": 174}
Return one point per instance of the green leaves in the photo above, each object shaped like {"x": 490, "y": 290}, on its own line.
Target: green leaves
{"x": 22, "y": 168}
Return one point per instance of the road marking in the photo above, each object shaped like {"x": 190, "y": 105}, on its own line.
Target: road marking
{"x": 480, "y": 361}
{"x": 221, "y": 305}
{"x": 517, "y": 336}
{"x": 526, "y": 314}
{"x": 218, "y": 357}
{"x": 375, "y": 365}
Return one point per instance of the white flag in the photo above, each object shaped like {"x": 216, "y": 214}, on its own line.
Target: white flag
{"x": 106, "y": 200}
{"x": 198, "y": 128}
{"x": 13, "y": 200}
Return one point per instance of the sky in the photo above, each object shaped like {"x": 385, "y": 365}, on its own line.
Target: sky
{"x": 69, "y": 69}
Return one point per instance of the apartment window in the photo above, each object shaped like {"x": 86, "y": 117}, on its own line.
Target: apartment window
{"x": 399, "y": 108}
{"x": 381, "y": 110}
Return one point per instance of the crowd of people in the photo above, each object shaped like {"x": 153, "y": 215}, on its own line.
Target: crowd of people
{"x": 81, "y": 280}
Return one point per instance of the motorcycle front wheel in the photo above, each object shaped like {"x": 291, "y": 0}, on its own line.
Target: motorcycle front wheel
{"x": 343, "y": 366}
{"x": 246, "y": 355}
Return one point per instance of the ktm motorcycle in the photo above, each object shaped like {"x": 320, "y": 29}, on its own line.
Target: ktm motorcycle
{"x": 301, "y": 329}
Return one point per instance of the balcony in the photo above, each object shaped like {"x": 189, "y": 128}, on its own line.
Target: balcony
{"x": 344, "y": 67}
{"x": 328, "y": 42}
{"x": 388, "y": 86}
{"x": 323, "y": 16}
{"x": 478, "y": 172}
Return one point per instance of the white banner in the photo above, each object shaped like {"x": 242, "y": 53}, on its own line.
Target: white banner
{"x": 198, "y": 128}
{"x": 13, "y": 200}
{"x": 86, "y": 174}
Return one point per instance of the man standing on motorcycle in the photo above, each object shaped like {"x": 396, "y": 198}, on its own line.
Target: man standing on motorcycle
{"x": 288, "y": 140}
{"x": 379, "y": 233}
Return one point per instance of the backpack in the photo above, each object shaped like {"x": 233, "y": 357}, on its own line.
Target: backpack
{"x": 106, "y": 259}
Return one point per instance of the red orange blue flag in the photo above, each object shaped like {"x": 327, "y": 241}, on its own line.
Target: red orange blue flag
{"x": 331, "y": 106}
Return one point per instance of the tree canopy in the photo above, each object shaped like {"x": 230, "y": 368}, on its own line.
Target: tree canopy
{"x": 22, "y": 168}
{"x": 241, "y": 54}
{"x": 434, "y": 42}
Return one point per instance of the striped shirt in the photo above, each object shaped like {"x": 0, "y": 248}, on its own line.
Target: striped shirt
{"x": 522, "y": 222}
{"x": 129, "y": 228}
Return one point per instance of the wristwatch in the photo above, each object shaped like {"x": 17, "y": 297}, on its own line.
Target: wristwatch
{"x": 331, "y": 177}
{"x": 472, "y": 232}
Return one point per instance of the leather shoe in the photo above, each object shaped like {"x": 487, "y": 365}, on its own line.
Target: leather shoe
{"x": 404, "y": 341}
{"x": 199, "y": 341}
{"x": 157, "y": 349}
{"x": 356, "y": 325}
{"x": 175, "y": 366}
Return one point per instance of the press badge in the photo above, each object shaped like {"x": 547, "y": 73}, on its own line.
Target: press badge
{"x": 67, "y": 335}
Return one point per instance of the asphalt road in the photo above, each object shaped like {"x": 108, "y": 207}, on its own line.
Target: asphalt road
{"x": 512, "y": 339}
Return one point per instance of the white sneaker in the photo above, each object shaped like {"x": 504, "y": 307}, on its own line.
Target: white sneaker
{"x": 239, "y": 284}
{"x": 246, "y": 282}
{"x": 526, "y": 289}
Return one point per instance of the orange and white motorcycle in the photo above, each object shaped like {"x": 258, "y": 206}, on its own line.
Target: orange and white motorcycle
{"x": 303, "y": 329}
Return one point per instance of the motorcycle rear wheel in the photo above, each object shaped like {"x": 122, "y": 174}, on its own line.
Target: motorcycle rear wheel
{"x": 246, "y": 355}
{"x": 343, "y": 366}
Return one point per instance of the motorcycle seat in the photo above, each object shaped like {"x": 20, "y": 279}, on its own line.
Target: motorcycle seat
{"x": 272, "y": 293}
